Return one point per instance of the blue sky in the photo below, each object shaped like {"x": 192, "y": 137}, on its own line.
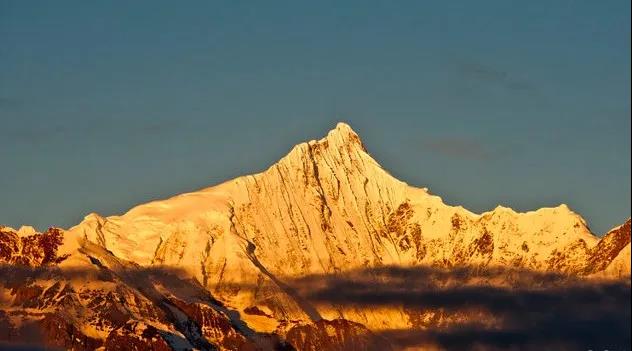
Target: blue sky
{"x": 106, "y": 105}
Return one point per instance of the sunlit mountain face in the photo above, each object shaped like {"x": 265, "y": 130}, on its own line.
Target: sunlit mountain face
{"x": 324, "y": 250}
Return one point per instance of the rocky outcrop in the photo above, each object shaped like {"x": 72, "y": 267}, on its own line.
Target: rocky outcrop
{"x": 335, "y": 335}
{"x": 136, "y": 336}
{"x": 608, "y": 249}
{"x": 33, "y": 250}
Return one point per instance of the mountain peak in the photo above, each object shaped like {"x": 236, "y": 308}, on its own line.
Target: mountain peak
{"x": 344, "y": 129}
{"x": 341, "y": 143}
{"x": 343, "y": 134}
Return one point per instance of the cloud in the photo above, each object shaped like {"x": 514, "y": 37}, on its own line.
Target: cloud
{"x": 477, "y": 71}
{"x": 459, "y": 147}
{"x": 528, "y": 310}
{"x": 518, "y": 309}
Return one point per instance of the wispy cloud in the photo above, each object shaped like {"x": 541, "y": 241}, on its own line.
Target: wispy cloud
{"x": 473, "y": 70}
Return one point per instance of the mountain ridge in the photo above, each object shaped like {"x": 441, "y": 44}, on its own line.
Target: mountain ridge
{"x": 242, "y": 249}
{"x": 345, "y": 133}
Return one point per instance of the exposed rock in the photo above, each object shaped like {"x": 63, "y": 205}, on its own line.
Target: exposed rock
{"x": 36, "y": 249}
{"x": 136, "y": 336}
{"x": 608, "y": 248}
{"x": 335, "y": 335}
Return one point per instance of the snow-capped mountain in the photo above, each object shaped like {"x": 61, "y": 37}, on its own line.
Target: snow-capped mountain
{"x": 246, "y": 264}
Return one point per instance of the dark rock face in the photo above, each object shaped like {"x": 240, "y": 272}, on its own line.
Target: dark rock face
{"x": 50, "y": 329}
{"x": 9, "y": 245}
{"x": 483, "y": 246}
{"x": 136, "y": 336}
{"x": 60, "y": 332}
{"x": 34, "y": 250}
{"x": 44, "y": 304}
{"x": 54, "y": 316}
{"x": 214, "y": 326}
{"x": 335, "y": 335}
{"x": 608, "y": 248}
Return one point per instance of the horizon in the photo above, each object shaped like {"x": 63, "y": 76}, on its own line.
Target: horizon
{"x": 514, "y": 104}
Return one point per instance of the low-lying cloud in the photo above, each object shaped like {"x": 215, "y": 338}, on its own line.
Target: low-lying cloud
{"x": 527, "y": 309}
{"x": 485, "y": 308}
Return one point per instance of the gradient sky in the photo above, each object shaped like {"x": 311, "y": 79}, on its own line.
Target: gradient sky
{"x": 104, "y": 105}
